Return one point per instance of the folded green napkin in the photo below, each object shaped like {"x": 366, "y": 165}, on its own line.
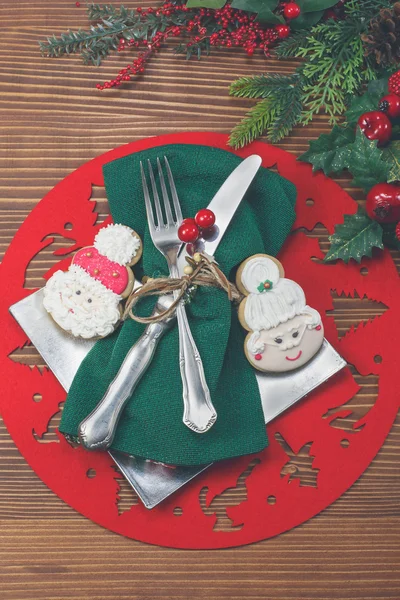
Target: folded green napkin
{"x": 151, "y": 425}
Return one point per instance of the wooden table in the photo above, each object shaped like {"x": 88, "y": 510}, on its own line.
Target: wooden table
{"x": 53, "y": 120}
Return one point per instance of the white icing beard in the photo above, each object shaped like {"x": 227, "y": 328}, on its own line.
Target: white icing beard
{"x": 80, "y": 304}
{"x": 117, "y": 243}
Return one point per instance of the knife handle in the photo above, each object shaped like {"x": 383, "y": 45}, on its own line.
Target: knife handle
{"x": 199, "y": 413}
{"x": 97, "y": 430}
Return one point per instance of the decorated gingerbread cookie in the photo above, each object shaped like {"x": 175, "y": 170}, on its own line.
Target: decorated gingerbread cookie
{"x": 85, "y": 300}
{"x": 285, "y": 333}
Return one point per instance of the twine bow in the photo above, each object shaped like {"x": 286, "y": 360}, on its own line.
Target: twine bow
{"x": 205, "y": 273}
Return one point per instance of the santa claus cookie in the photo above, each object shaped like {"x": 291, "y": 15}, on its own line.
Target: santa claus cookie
{"x": 85, "y": 300}
{"x": 285, "y": 333}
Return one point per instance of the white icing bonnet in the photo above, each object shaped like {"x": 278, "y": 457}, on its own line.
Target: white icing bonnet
{"x": 272, "y": 299}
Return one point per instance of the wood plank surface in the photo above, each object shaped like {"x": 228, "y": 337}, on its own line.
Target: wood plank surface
{"x": 52, "y": 119}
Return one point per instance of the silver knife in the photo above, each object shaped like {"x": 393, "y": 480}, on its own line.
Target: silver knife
{"x": 98, "y": 429}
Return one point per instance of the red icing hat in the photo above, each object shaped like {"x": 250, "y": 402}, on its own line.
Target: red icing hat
{"x": 113, "y": 276}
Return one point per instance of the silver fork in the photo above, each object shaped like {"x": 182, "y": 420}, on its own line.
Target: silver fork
{"x": 199, "y": 413}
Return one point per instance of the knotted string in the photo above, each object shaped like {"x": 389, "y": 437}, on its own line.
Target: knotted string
{"x": 205, "y": 273}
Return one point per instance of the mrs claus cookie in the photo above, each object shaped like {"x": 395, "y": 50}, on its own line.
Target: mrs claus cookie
{"x": 285, "y": 333}
{"x": 85, "y": 300}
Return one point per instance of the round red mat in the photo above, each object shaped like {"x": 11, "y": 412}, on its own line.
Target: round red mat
{"x": 275, "y": 502}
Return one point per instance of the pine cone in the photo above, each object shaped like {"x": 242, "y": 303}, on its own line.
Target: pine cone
{"x": 383, "y": 37}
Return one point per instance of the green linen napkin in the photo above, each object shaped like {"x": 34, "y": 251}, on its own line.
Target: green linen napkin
{"x": 151, "y": 425}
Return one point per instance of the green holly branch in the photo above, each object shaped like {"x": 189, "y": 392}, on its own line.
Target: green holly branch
{"x": 347, "y": 148}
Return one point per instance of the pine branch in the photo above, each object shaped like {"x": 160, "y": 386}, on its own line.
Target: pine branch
{"x": 257, "y": 120}
{"x": 278, "y": 115}
{"x": 290, "y": 46}
{"x": 93, "y": 45}
{"x": 289, "y": 114}
{"x": 262, "y": 86}
{"x": 366, "y": 9}
{"x": 335, "y": 67}
{"x": 98, "y": 12}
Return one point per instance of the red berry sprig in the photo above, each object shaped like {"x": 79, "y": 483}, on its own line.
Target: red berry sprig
{"x": 191, "y": 229}
{"x": 394, "y": 83}
{"x": 188, "y": 231}
{"x": 376, "y": 125}
{"x": 383, "y": 203}
{"x": 397, "y": 231}
{"x": 223, "y": 27}
{"x": 291, "y": 10}
{"x": 205, "y": 218}
{"x": 390, "y": 105}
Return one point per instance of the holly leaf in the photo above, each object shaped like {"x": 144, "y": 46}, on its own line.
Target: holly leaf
{"x": 205, "y": 3}
{"x": 391, "y": 154}
{"x": 267, "y": 16}
{"x": 355, "y": 238}
{"x": 313, "y": 5}
{"x": 263, "y": 8}
{"x": 366, "y": 162}
{"x": 331, "y": 152}
{"x": 306, "y": 20}
{"x": 368, "y": 101}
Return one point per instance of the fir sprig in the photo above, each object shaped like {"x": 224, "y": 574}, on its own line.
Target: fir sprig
{"x": 94, "y": 44}
{"x": 262, "y": 86}
{"x": 258, "y": 119}
{"x": 97, "y": 12}
{"x": 276, "y": 113}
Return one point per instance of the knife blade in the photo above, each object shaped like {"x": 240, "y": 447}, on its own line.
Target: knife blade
{"x": 233, "y": 190}
{"x": 98, "y": 429}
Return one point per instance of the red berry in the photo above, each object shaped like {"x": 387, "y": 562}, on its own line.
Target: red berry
{"x": 188, "y": 231}
{"x": 77, "y": 4}
{"x": 376, "y": 126}
{"x": 390, "y": 105}
{"x": 205, "y": 218}
{"x": 283, "y": 31}
{"x": 258, "y": 356}
{"x": 394, "y": 83}
{"x": 383, "y": 203}
{"x": 291, "y": 10}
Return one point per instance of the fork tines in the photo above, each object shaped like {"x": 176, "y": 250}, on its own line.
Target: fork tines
{"x": 170, "y": 220}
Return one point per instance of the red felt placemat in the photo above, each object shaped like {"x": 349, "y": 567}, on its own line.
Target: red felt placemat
{"x": 275, "y": 502}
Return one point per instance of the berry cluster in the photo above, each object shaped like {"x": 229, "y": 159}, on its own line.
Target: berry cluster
{"x": 226, "y": 27}
{"x": 191, "y": 229}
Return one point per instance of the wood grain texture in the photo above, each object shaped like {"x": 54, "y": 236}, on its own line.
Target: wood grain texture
{"x": 53, "y": 120}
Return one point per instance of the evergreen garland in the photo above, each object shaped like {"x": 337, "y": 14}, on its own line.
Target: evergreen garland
{"x": 334, "y": 68}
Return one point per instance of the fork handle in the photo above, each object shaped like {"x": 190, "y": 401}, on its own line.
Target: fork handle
{"x": 97, "y": 430}
{"x": 199, "y": 413}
